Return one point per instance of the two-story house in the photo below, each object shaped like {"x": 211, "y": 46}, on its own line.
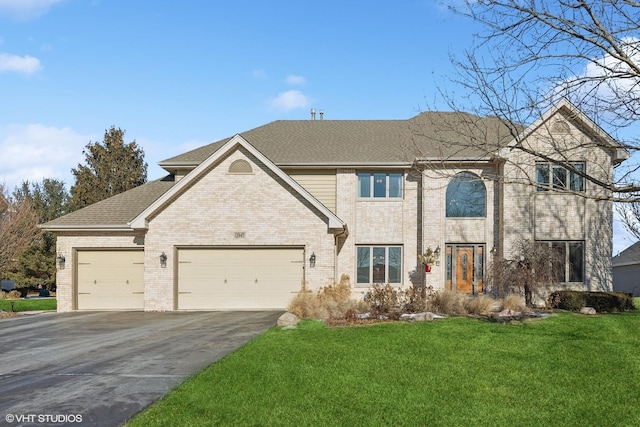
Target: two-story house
{"x": 247, "y": 222}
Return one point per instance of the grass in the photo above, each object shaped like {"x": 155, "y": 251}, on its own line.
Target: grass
{"x": 567, "y": 370}
{"x": 29, "y": 304}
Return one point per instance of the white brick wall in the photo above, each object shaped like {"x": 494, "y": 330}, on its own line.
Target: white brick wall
{"x": 218, "y": 206}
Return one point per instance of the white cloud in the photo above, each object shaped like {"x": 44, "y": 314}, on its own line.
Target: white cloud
{"x": 33, "y": 152}
{"x": 292, "y": 79}
{"x": 259, "y": 74}
{"x": 21, "y": 64}
{"x": 290, "y": 100}
{"x": 607, "y": 79}
{"x": 25, "y": 10}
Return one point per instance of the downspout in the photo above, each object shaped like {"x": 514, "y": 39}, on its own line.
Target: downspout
{"x": 336, "y": 239}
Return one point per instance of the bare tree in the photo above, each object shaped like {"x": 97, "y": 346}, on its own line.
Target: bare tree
{"x": 531, "y": 54}
{"x": 18, "y": 228}
{"x": 532, "y": 266}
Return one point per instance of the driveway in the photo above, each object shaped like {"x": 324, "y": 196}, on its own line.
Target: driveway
{"x": 106, "y": 367}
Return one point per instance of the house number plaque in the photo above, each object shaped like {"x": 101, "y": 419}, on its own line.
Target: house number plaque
{"x": 239, "y": 234}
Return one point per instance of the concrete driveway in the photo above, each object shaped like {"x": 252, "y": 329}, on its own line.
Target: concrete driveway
{"x": 106, "y": 367}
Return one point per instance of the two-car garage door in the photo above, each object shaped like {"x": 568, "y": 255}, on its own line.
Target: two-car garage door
{"x": 238, "y": 278}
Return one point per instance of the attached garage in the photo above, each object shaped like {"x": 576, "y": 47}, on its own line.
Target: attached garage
{"x": 110, "y": 280}
{"x": 238, "y": 278}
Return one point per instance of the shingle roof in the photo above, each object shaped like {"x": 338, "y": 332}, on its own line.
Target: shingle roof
{"x": 631, "y": 255}
{"x": 437, "y": 135}
{"x": 306, "y": 142}
{"x": 115, "y": 211}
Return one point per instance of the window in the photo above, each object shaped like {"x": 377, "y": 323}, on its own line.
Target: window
{"x": 380, "y": 185}
{"x": 379, "y": 264}
{"x": 571, "y": 257}
{"x": 466, "y": 196}
{"x": 240, "y": 166}
{"x": 550, "y": 175}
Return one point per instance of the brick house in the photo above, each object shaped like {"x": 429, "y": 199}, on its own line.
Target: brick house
{"x": 246, "y": 222}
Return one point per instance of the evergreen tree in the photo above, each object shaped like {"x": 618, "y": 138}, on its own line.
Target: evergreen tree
{"x": 112, "y": 167}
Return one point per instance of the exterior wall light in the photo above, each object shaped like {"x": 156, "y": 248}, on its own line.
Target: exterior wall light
{"x": 436, "y": 255}
{"x": 312, "y": 260}
{"x": 163, "y": 260}
{"x": 60, "y": 260}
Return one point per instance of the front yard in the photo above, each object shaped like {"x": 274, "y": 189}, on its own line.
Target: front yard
{"x": 569, "y": 369}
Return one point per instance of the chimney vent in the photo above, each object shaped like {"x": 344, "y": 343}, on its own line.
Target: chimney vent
{"x": 313, "y": 114}
{"x": 321, "y": 114}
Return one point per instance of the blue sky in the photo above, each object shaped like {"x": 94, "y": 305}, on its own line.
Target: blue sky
{"x": 177, "y": 75}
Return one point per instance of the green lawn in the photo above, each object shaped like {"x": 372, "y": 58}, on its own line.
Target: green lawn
{"x": 566, "y": 370}
{"x": 28, "y": 304}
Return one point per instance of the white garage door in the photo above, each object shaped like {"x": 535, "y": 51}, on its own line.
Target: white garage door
{"x": 238, "y": 279}
{"x": 110, "y": 280}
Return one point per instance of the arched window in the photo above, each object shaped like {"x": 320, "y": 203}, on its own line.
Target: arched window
{"x": 240, "y": 166}
{"x": 466, "y": 196}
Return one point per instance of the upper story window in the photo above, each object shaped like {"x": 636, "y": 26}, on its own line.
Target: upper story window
{"x": 554, "y": 176}
{"x": 380, "y": 185}
{"x": 466, "y": 196}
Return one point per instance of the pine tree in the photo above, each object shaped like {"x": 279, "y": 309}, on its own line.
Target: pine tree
{"x": 112, "y": 167}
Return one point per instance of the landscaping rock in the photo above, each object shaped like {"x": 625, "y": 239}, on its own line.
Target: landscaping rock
{"x": 510, "y": 313}
{"x": 588, "y": 310}
{"x": 427, "y": 316}
{"x": 288, "y": 319}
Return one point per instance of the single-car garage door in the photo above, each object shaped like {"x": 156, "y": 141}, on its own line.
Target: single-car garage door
{"x": 110, "y": 280}
{"x": 238, "y": 279}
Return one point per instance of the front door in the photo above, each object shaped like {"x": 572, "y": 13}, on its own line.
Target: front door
{"x": 464, "y": 269}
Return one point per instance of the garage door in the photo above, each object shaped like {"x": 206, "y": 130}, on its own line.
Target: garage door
{"x": 238, "y": 279}
{"x": 110, "y": 280}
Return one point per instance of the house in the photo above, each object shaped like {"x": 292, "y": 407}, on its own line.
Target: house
{"x": 248, "y": 221}
{"x": 626, "y": 270}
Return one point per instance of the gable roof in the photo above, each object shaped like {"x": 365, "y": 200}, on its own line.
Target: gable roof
{"x": 361, "y": 142}
{"x": 140, "y": 221}
{"x": 565, "y": 106}
{"x": 629, "y": 256}
{"x": 114, "y": 213}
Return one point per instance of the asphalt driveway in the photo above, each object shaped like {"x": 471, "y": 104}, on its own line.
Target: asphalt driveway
{"x": 103, "y": 368}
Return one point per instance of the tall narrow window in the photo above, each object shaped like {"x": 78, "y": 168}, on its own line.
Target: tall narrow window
{"x": 466, "y": 196}
{"x": 542, "y": 176}
{"x": 576, "y": 181}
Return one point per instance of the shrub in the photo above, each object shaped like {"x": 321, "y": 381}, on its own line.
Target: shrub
{"x": 513, "y": 302}
{"x": 330, "y": 302}
{"x": 382, "y": 299}
{"x": 602, "y": 301}
{"x": 478, "y": 304}
{"x": 14, "y": 294}
{"x": 447, "y": 302}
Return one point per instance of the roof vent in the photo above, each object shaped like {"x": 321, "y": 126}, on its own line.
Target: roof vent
{"x": 321, "y": 114}
{"x": 313, "y": 114}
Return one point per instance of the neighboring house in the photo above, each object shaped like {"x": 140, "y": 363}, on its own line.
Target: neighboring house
{"x": 626, "y": 270}
{"x": 246, "y": 222}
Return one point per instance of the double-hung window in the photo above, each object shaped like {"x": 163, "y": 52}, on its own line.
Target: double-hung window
{"x": 552, "y": 176}
{"x": 379, "y": 185}
{"x": 379, "y": 264}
